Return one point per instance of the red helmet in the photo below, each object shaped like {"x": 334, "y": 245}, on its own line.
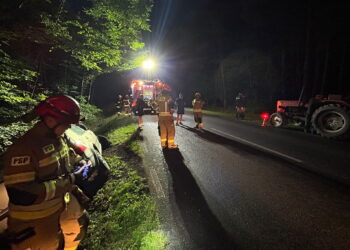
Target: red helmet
{"x": 63, "y": 108}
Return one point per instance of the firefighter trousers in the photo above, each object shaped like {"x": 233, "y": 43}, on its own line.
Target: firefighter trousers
{"x": 167, "y": 130}
{"x": 74, "y": 224}
{"x": 198, "y": 117}
{"x": 47, "y": 235}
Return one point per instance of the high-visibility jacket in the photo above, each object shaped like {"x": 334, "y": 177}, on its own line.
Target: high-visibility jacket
{"x": 33, "y": 167}
{"x": 197, "y": 105}
{"x": 165, "y": 105}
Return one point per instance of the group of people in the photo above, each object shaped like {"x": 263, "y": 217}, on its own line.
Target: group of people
{"x": 45, "y": 205}
{"x": 123, "y": 104}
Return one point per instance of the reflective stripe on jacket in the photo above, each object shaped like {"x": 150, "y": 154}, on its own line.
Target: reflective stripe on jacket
{"x": 197, "y": 105}
{"x": 31, "y": 167}
{"x": 36, "y": 211}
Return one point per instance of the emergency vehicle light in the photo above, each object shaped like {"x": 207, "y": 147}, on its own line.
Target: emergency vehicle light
{"x": 264, "y": 116}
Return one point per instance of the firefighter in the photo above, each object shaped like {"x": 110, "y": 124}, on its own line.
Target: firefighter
{"x": 180, "y": 109}
{"x": 36, "y": 176}
{"x": 126, "y": 105}
{"x": 166, "y": 119}
{"x": 197, "y": 104}
{"x": 140, "y": 105}
{"x": 119, "y": 104}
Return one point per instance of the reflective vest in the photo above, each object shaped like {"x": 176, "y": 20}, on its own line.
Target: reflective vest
{"x": 163, "y": 105}
{"x": 197, "y": 105}
{"x": 33, "y": 165}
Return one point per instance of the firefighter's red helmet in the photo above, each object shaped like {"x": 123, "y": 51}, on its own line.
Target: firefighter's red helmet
{"x": 63, "y": 108}
{"x": 166, "y": 87}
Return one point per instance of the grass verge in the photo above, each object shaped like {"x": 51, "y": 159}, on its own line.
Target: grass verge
{"x": 229, "y": 114}
{"x": 123, "y": 215}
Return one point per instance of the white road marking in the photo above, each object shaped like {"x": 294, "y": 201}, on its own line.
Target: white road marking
{"x": 257, "y": 146}
{"x": 156, "y": 184}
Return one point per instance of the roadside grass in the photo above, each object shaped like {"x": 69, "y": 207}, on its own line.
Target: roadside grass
{"x": 250, "y": 116}
{"x": 123, "y": 215}
{"x": 105, "y": 125}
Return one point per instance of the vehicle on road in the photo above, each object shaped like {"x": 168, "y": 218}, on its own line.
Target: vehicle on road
{"x": 330, "y": 117}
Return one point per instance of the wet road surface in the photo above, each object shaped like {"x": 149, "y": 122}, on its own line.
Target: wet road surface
{"x": 216, "y": 192}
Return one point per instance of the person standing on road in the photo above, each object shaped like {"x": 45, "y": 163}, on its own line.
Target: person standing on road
{"x": 140, "y": 105}
{"x": 180, "y": 109}
{"x": 198, "y": 104}
{"x": 166, "y": 119}
{"x": 240, "y": 102}
{"x": 37, "y": 177}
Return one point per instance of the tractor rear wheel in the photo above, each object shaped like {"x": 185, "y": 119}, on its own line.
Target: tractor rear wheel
{"x": 331, "y": 121}
{"x": 277, "y": 120}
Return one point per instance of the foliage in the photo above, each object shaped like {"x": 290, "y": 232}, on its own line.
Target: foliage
{"x": 100, "y": 34}
{"x": 14, "y": 102}
{"x": 122, "y": 134}
{"x": 153, "y": 241}
{"x": 10, "y": 132}
{"x": 123, "y": 214}
{"x": 88, "y": 111}
{"x": 61, "y": 46}
{"x": 113, "y": 123}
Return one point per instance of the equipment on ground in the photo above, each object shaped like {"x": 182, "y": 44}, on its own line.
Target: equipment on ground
{"x": 328, "y": 117}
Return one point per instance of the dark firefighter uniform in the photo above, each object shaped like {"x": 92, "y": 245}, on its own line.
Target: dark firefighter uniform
{"x": 35, "y": 173}
{"x": 126, "y": 104}
{"x": 119, "y": 104}
{"x": 197, "y": 104}
{"x": 166, "y": 121}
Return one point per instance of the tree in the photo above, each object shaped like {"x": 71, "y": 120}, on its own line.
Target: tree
{"x": 65, "y": 42}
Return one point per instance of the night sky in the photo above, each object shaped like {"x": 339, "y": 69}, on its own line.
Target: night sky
{"x": 278, "y": 47}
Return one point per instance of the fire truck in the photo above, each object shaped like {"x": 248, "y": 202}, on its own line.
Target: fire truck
{"x": 149, "y": 90}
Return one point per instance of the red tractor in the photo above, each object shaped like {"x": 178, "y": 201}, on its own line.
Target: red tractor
{"x": 328, "y": 117}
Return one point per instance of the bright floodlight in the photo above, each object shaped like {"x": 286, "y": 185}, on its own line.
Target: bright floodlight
{"x": 148, "y": 64}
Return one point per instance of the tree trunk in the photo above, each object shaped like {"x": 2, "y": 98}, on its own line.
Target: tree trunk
{"x": 82, "y": 86}
{"x": 90, "y": 90}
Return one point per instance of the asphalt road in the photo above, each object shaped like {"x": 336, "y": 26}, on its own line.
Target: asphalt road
{"x": 240, "y": 186}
